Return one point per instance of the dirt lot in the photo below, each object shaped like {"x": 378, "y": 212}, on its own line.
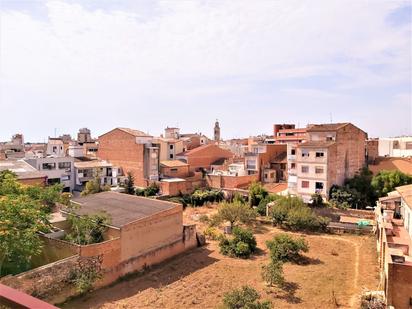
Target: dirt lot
{"x": 338, "y": 269}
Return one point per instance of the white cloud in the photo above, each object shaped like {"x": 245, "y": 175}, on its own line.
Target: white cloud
{"x": 192, "y": 52}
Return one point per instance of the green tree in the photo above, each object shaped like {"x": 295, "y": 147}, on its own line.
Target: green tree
{"x": 256, "y": 193}
{"x": 93, "y": 186}
{"x": 386, "y": 181}
{"x": 21, "y": 218}
{"x": 246, "y": 298}
{"x": 87, "y": 229}
{"x": 9, "y": 184}
{"x": 285, "y": 248}
{"x": 261, "y": 209}
{"x": 130, "y": 183}
{"x": 317, "y": 200}
{"x": 272, "y": 273}
{"x": 235, "y": 213}
{"x": 360, "y": 185}
{"x": 241, "y": 245}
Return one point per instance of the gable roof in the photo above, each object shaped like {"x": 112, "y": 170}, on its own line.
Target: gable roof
{"x": 326, "y": 127}
{"x": 133, "y": 132}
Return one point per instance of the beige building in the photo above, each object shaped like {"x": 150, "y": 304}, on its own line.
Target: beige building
{"x": 331, "y": 154}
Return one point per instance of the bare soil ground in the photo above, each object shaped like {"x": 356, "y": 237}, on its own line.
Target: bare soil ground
{"x": 337, "y": 270}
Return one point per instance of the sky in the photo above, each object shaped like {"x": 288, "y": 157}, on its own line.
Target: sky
{"x": 147, "y": 65}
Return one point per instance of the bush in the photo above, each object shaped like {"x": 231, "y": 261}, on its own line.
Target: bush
{"x": 151, "y": 190}
{"x": 204, "y": 219}
{"x": 234, "y": 213}
{"x": 246, "y": 297}
{"x": 256, "y": 193}
{"x": 272, "y": 273}
{"x": 201, "y": 197}
{"x": 212, "y": 233}
{"x": 242, "y": 245}
{"x": 284, "y": 248}
{"x": 317, "y": 200}
{"x": 238, "y": 198}
{"x": 261, "y": 209}
{"x": 292, "y": 213}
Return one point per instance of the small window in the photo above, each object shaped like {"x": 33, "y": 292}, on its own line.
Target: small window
{"x": 319, "y": 170}
{"x": 64, "y": 165}
{"x": 320, "y": 154}
{"x": 49, "y": 166}
{"x": 293, "y": 165}
{"x": 329, "y": 138}
{"x": 171, "y": 156}
{"x": 305, "y": 184}
{"x": 319, "y": 185}
{"x": 173, "y": 170}
{"x": 171, "y": 147}
{"x": 305, "y": 153}
{"x": 293, "y": 152}
{"x": 305, "y": 169}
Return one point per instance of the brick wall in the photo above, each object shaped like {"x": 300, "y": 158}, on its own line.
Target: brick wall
{"x": 230, "y": 182}
{"x": 178, "y": 171}
{"x": 206, "y": 156}
{"x": 120, "y": 149}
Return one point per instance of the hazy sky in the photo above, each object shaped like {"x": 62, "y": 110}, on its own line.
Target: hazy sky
{"x": 151, "y": 64}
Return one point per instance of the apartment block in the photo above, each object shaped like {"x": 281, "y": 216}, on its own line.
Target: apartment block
{"x": 90, "y": 169}
{"x": 57, "y": 169}
{"x": 259, "y": 160}
{"x": 394, "y": 245}
{"x": 331, "y": 154}
{"x": 395, "y": 146}
{"x": 288, "y": 133}
{"x": 133, "y": 151}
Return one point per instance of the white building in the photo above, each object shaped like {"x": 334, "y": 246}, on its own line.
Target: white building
{"x": 395, "y": 146}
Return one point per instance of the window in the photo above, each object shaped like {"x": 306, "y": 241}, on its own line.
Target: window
{"x": 266, "y": 176}
{"x": 319, "y": 170}
{"x": 330, "y": 138}
{"x": 171, "y": 156}
{"x": 305, "y": 184}
{"x": 65, "y": 178}
{"x": 293, "y": 152}
{"x": 320, "y": 154}
{"x": 293, "y": 165}
{"x": 171, "y": 147}
{"x": 319, "y": 186}
{"x": 305, "y": 169}
{"x": 64, "y": 165}
{"x": 173, "y": 170}
{"x": 49, "y": 166}
{"x": 305, "y": 153}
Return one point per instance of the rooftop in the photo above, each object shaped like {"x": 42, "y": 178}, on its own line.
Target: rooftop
{"x": 122, "y": 208}
{"x": 22, "y": 169}
{"x": 320, "y": 144}
{"x": 92, "y": 164}
{"x": 173, "y": 163}
{"x": 406, "y": 194}
{"x": 326, "y": 127}
{"x": 133, "y": 132}
{"x": 390, "y": 164}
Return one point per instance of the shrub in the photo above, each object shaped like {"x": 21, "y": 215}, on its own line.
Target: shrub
{"x": 238, "y": 198}
{"x": 87, "y": 229}
{"x": 151, "y": 190}
{"x": 204, "y": 219}
{"x": 317, "y": 200}
{"x": 272, "y": 273}
{"x": 242, "y": 245}
{"x": 212, "y": 233}
{"x": 234, "y": 213}
{"x": 292, "y": 213}
{"x": 256, "y": 193}
{"x": 246, "y": 297}
{"x": 261, "y": 209}
{"x": 130, "y": 183}
{"x": 285, "y": 248}
{"x": 201, "y": 197}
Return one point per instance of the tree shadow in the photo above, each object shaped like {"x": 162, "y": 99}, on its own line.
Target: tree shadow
{"x": 304, "y": 260}
{"x": 260, "y": 229}
{"x": 288, "y": 293}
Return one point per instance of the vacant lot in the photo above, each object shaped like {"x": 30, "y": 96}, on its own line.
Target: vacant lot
{"x": 338, "y": 268}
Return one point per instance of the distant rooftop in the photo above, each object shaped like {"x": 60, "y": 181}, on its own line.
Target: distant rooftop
{"x": 120, "y": 207}
{"x": 22, "y": 169}
{"x": 326, "y": 127}
{"x": 133, "y": 132}
{"x": 173, "y": 163}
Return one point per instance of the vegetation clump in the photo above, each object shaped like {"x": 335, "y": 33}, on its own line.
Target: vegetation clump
{"x": 245, "y": 297}
{"x": 234, "y": 213}
{"x": 150, "y": 190}
{"x": 87, "y": 229}
{"x": 241, "y": 245}
{"x": 256, "y": 193}
{"x": 94, "y": 186}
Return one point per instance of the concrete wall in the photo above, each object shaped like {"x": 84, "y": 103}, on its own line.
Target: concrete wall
{"x": 121, "y": 149}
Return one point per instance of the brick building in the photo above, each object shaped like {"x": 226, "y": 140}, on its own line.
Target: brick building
{"x": 133, "y": 151}
{"x": 331, "y": 154}
{"x": 204, "y": 156}
{"x": 394, "y": 244}
{"x": 372, "y": 150}
{"x": 174, "y": 168}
